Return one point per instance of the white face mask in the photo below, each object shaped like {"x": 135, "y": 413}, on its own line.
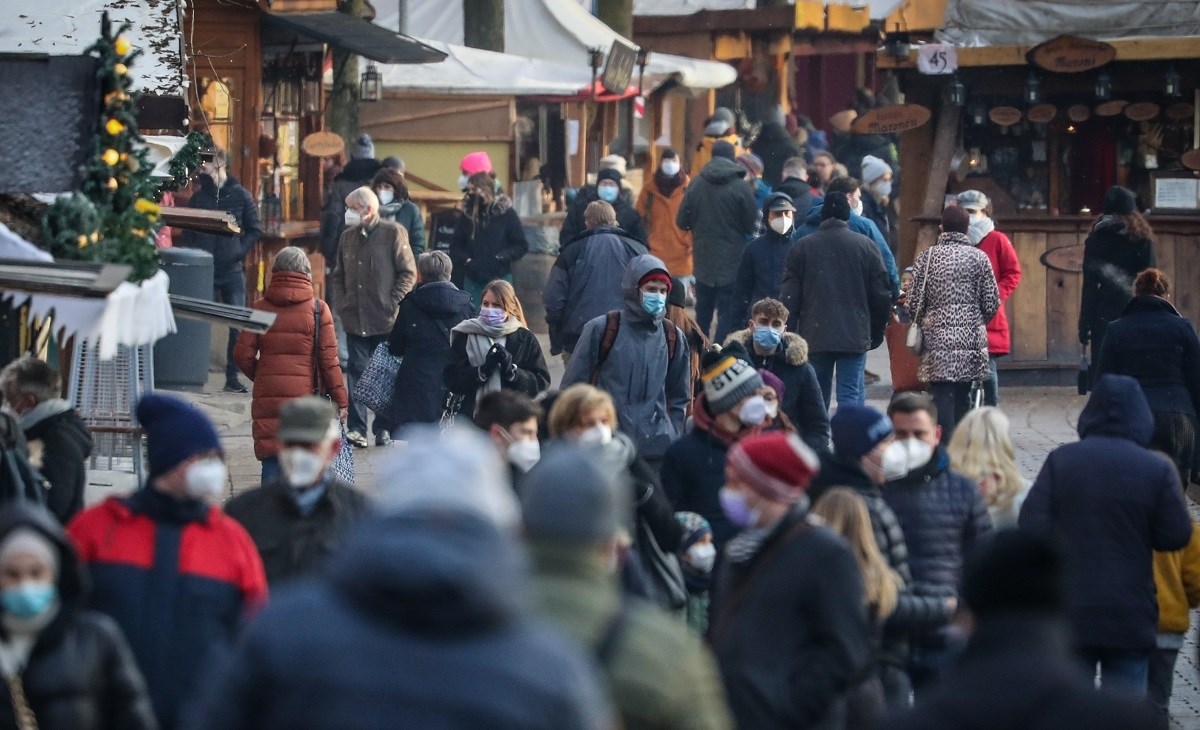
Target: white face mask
{"x": 524, "y": 454}
{"x": 919, "y": 453}
{"x": 976, "y": 217}
{"x": 702, "y": 556}
{"x": 754, "y": 411}
{"x": 894, "y": 461}
{"x": 884, "y": 188}
{"x": 301, "y": 467}
{"x": 772, "y": 409}
{"x": 386, "y": 197}
{"x": 781, "y": 225}
{"x": 462, "y": 182}
{"x": 857, "y": 208}
{"x": 597, "y": 435}
{"x": 670, "y": 167}
{"x": 353, "y": 218}
{"x": 206, "y": 479}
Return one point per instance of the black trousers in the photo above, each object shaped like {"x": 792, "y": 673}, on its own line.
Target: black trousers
{"x": 1175, "y": 436}
{"x": 953, "y": 400}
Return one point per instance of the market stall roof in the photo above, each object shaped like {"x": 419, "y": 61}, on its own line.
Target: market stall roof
{"x": 68, "y": 27}
{"x": 560, "y": 31}
{"x": 972, "y": 23}
{"x": 355, "y": 34}
{"x": 472, "y": 71}
{"x": 880, "y": 9}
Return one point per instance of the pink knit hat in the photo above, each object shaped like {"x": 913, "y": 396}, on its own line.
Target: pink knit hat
{"x": 476, "y": 162}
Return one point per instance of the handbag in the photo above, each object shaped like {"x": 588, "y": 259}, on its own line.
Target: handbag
{"x": 343, "y": 464}
{"x": 663, "y": 568}
{"x": 376, "y": 385}
{"x": 915, "y": 339}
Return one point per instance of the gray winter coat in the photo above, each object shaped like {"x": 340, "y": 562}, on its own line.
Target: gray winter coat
{"x": 585, "y": 282}
{"x": 719, "y": 209}
{"x": 837, "y": 290}
{"x": 651, "y": 390}
{"x": 955, "y": 295}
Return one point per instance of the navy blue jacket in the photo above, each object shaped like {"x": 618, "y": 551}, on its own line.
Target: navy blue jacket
{"x": 421, "y": 336}
{"x": 693, "y": 472}
{"x": 858, "y": 224}
{"x": 760, "y": 269}
{"x": 802, "y": 401}
{"x": 227, "y": 251}
{"x": 1157, "y": 346}
{"x": 1114, "y": 502}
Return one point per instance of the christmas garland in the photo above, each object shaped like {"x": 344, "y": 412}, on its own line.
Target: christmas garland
{"x": 185, "y": 162}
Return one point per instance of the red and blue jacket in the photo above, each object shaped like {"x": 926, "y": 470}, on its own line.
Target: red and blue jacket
{"x": 178, "y": 576}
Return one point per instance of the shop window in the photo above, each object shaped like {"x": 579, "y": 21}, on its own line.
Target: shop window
{"x": 291, "y": 110}
{"x": 217, "y": 104}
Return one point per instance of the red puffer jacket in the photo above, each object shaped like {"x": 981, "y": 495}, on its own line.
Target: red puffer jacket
{"x": 281, "y": 362}
{"x": 1007, "y": 268}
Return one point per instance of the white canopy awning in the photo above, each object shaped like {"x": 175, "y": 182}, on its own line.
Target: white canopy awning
{"x": 560, "y": 31}
{"x": 472, "y": 71}
{"x": 68, "y": 27}
{"x": 1029, "y": 22}
{"x": 880, "y": 9}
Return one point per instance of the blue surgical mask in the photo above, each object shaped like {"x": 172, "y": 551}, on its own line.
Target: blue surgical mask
{"x": 654, "y": 304}
{"x": 492, "y": 316}
{"x": 29, "y": 599}
{"x": 768, "y": 338}
{"x": 608, "y": 193}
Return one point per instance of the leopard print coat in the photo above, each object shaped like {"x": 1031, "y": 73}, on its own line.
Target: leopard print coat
{"x": 959, "y": 299}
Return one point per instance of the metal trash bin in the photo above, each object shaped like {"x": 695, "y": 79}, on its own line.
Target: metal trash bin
{"x": 181, "y": 359}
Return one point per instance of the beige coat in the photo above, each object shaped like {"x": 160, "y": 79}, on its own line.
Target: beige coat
{"x": 374, "y": 270}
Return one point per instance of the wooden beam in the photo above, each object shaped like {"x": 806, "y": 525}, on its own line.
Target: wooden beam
{"x": 945, "y": 142}
{"x": 1133, "y": 49}
{"x": 196, "y": 219}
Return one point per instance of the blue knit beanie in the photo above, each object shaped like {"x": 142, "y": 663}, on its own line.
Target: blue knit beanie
{"x": 175, "y": 431}
{"x": 857, "y": 430}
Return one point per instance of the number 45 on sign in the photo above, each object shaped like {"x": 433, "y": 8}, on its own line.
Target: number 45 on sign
{"x": 937, "y": 58}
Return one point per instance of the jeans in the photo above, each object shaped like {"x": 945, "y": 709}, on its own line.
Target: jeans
{"x": 991, "y": 384}
{"x": 270, "y": 469}
{"x": 1124, "y": 670}
{"x": 716, "y": 300}
{"x": 360, "y": 349}
{"x": 851, "y": 390}
{"x": 953, "y": 400}
{"x": 1160, "y": 678}
{"x": 230, "y": 288}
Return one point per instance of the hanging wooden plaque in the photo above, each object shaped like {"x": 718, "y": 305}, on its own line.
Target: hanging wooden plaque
{"x": 1143, "y": 111}
{"x": 1179, "y": 110}
{"x": 1111, "y": 108}
{"x": 1042, "y": 113}
{"x": 1079, "y": 113}
{"x": 323, "y": 144}
{"x": 1191, "y": 160}
{"x": 1005, "y": 115}
{"x": 889, "y": 119}
{"x": 1069, "y": 54}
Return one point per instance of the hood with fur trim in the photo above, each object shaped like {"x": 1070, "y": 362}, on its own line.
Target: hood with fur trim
{"x": 795, "y": 347}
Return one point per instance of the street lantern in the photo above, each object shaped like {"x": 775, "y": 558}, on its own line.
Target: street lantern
{"x": 595, "y": 60}
{"x": 978, "y": 113}
{"x": 1103, "y": 86}
{"x": 1033, "y": 89}
{"x": 371, "y": 87}
{"x": 958, "y": 92}
{"x": 311, "y": 92}
{"x": 1171, "y": 83}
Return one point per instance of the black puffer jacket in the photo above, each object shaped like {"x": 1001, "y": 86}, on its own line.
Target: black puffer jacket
{"x": 227, "y": 251}
{"x": 422, "y": 337}
{"x": 486, "y": 249}
{"x": 943, "y": 517}
{"x": 81, "y": 674}
{"x": 66, "y": 443}
{"x": 1111, "y": 260}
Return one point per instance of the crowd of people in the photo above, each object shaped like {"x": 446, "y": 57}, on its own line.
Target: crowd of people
{"x": 703, "y": 525}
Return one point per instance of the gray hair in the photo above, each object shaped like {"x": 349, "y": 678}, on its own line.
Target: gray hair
{"x": 795, "y": 167}
{"x": 29, "y": 376}
{"x": 292, "y": 258}
{"x": 364, "y": 196}
{"x": 434, "y": 266}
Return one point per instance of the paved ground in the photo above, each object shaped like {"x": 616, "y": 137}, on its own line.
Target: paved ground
{"x": 1042, "y": 418}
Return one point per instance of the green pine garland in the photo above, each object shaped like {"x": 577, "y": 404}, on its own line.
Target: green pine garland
{"x": 185, "y": 162}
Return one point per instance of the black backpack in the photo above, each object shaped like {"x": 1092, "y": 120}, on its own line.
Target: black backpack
{"x": 20, "y": 481}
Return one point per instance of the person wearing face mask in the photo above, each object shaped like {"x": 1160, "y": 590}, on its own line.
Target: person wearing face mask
{"x": 753, "y": 166}
{"x": 760, "y": 269}
{"x": 698, "y": 556}
{"x": 852, "y": 189}
{"x": 495, "y": 351}
{"x": 658, "y": 674}
{"x": 609, "y": 189}
{"x": 658, "y": 204}
{"x": 789, "y": 615}
{"x": 218, "y": 190}
{"x": 1007, "y": 269}
{"x": 775, "y": 146}
{"x": 640, "y": 358}
{"x": 298, "y": 519}
{"x": 71, "y": 666}
{"x": 488, "y": 236}
{"x": 175, "y": 572}
{"x": 510, "y": 419}
{"x": 785, "y": 355}
{"x": 731, "y": 407}
{"x": 395, "y": 205}
{"x": 877, "y": 196}
{"x": 943, "y": 516}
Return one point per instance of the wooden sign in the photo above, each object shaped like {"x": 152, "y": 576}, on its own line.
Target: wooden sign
{"x": 1069, "y": 54}
{"x": 1079, "y": 113}
{"x": 889, "y": 119}
{"x": 323, "y": 144}
{"x": 1142, "y": 111}
{"x": 1111, "y": 108}
{"x": 1064, "y": 258}
{"x": 1191, "y": 160}
{"x": 1179, "y": 110}
{"x": 1005, "y": 116}
{"x": 1042, "y": 113}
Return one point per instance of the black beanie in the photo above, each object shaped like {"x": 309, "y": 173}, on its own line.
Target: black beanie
{"x": 1119, "y": 201}
{"x": 836, "y": 205}
{"x": 722, "y": 148}
{"x": 609, "y": 174}
{"x": 677, "y": 297}
{"x": 1015, "y": 571}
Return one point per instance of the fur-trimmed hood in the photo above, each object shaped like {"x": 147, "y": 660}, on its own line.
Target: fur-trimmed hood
{"x": 795, "y": 348}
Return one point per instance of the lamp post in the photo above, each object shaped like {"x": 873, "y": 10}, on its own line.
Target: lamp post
{"x": 595, "y": 60}
{"x": 643, "y": 57}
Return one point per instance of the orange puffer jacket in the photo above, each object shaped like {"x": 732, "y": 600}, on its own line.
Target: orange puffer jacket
{"x": 281, "y": 362}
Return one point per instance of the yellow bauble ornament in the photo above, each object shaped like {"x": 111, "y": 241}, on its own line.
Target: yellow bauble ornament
{"x": 120, "y": 69}
{"x": 83, "y": 241}
{"x": 112, "y": 183}
{"x": 111, "y": 157}
{"x": 122, "y": 46}
{"x": 95, "y": 236}
{"x": 114, "y": 127}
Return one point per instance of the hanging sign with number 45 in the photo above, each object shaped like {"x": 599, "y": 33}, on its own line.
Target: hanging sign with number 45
{"x": 937, "y": 58}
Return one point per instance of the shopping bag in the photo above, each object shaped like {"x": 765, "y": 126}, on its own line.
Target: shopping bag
{"x": 343, "y": 463}
{"x": 904, "y": 364}
{"x": 374, "y": 389}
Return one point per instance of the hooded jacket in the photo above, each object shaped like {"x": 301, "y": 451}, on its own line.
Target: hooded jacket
{"x": 775, "y": 146}
{"x": 585, "y": 282}
{"x": 81, "y": 674}
{"x": 667, "y": 241}
{"x": 421, "y": 337}
{"x": 66, "y": 444}
{"x": 802, "y": 401}
{"x": 719, "y": 209}
{"x": 650, "y": 388}
{"x": 227, "y": 251}
{"x": 858, "y": 224}
{"x": 1111, "y": 261}
{"x": 282, "y": 362}
{"x": 437, "y": 610}
{"x": 1157, "y": 346}
{"x": 629, "y": 218}
{"x": 1114, "y": 502}
{"x": 375, "y": 270}
{"x": 760, "y": 270}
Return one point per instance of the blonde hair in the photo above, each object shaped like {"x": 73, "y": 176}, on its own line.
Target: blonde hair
{"x": 982, "y": 450}
{"x": 846, "y": 514}
{"x": 504, "y": 291}
{"x": 576, "y": 402}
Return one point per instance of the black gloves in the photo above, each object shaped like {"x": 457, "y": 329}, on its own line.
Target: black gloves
{"x": 498, "y": 359}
